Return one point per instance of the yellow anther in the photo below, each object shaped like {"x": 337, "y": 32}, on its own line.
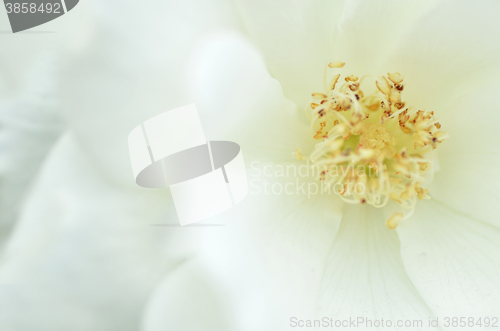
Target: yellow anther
{"x": 405, "y": 129}
{"x": 383, "y": 86}
{"x": 298, "y": 154}
{"x": 354, "y": 87}
{"x": 373, "y": 104}
{"x": 393, "y": 221}
{"x": 333, "y": 82}
{"x": 319, "y": 95}
{"x": 396, "y": 77}
{"x": 395, "y": 96}
{"x": 399, "y": 105}
{"x": 336, "y": 64}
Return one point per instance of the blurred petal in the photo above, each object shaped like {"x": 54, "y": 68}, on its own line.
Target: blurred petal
{"x": 365, "y": 275}
{"x": 453, "y": 260}
{"x": 85, "y": 250}
{"x": 136, "y": 66}
{"x": 247, "y": 106}
{"x": 469, "y": 181}
{"x": 449, "y": 51}
{"x": 29, "y": 126}
{"x": 187, "y": 300}
{"x": 295, "y": 225}
{"x": 23, "y": 52}
{"x": 369, "y": 29}
{"x": 238, "y": 100}
{"x": 296, "y": 38}
{"x": 227, "y": 287}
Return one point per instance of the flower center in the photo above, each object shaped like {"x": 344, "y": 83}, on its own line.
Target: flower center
{"x": 375, "y": 137}
{"x": 372, "y": 149}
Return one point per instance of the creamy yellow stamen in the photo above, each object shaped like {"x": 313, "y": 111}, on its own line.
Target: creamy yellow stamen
{"x": 393, "y": 221}
{"x": 336, "y": 64}
{"x": 376, "y": 136}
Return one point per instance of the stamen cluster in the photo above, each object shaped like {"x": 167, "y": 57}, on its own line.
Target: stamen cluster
{"x": 371, "y": 149}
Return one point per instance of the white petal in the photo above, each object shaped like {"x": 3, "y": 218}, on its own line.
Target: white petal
{"x": 88, "y": 245}
{"x": 29, "y": 126}
{"x": 248, "y": 106}
{"x": 188, "y": 299}
{"x": 448, "y": 51}
{"x": 365, "y": 276}
{"x": 239, "y": 100}
{"x": 469, "y": 180}
{"x": 119, "y": 85}
{"x": 452, "y": 67}
{"x": 368, "y": 30}
{"x": 304, "y": 227}
{"x": 296, "y": 38}
{"x": 21, "y": 300}
{"x": 225, "y": 287}
{"x": 294, "y": 223}
{"x": 453, "y": 261}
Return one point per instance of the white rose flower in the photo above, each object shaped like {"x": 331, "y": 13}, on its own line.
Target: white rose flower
{"x": 442, "y": 256}
{"x": 86, "y": 258}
